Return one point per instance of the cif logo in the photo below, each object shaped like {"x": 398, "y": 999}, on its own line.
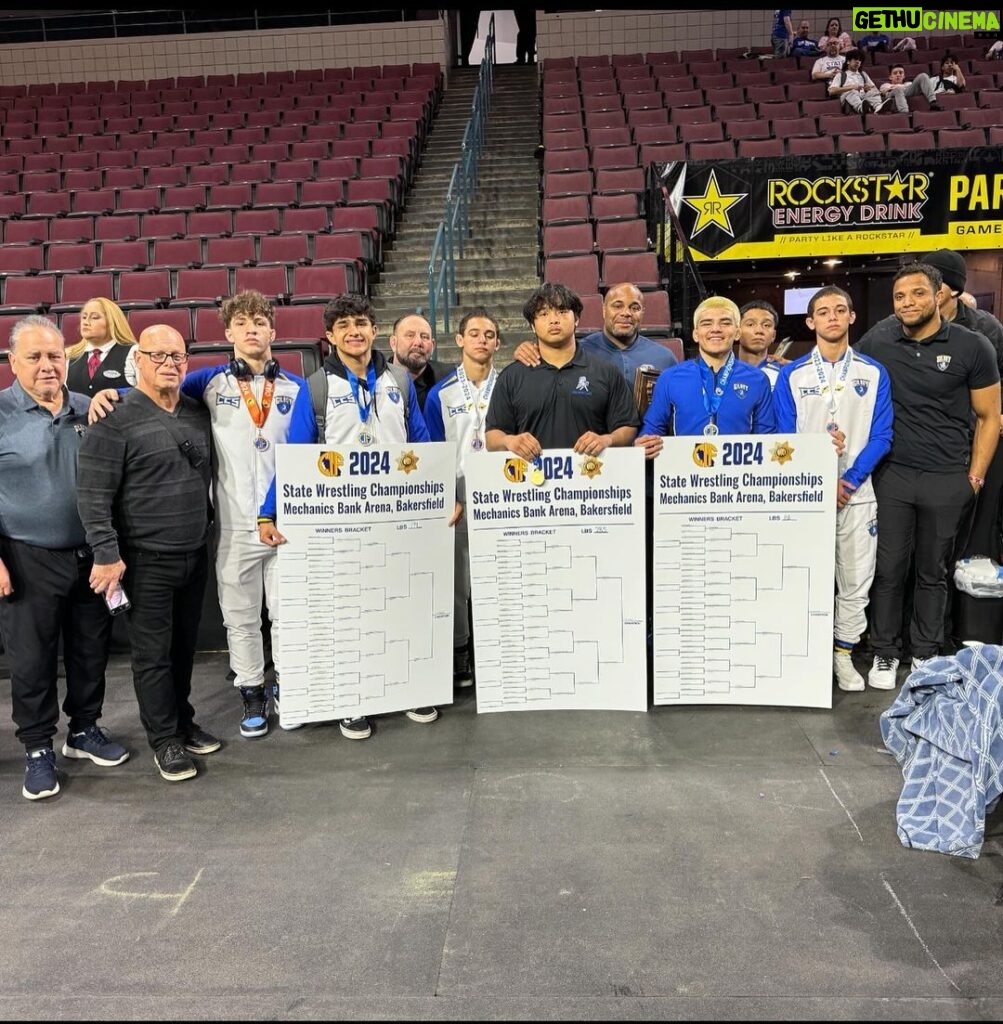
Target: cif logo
{"x": 515, "y": 470}
{"x": 330, "y": 463}
{"x": 704, "y": 454}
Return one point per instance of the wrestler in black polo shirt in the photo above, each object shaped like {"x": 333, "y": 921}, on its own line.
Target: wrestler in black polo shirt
{"x": 571, "y": 400}
{"x": 941, "y": 374}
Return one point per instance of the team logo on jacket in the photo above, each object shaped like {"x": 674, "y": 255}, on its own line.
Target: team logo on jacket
{"x": 456, "y": 410}
{"x": 809, "y": 391}
{"x": 872, "y": 527}
{"x": 943, "y": 362}
{"x": 583, "y": 387}
{"x": 394, "y": 395}
{"x": 704, "y": 454}
{"x": 861, "y": 385}
{"x": 231, "y": 400}
{"x": 284, "y": 404}
{"x": 741, "y": 390}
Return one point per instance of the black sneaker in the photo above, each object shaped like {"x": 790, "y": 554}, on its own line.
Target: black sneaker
{"x": 40, "y": 778}
{"x": 174, "y": 764}
{"x": 463, "y": 674}
{"x": 423, "y": 714}
{"x": 94, "y": 743}
{"x": 254, "y": 721}
{"x": 356, "y": 728}
{"x": 198, "y": 741}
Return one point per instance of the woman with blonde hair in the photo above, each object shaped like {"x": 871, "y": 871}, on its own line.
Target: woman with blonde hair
{"x": 105, "y": 356}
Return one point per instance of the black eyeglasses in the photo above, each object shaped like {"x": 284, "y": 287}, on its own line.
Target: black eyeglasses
{"x": 159, "y": 358}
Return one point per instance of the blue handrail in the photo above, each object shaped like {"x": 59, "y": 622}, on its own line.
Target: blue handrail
{"x": 455, "y": 224}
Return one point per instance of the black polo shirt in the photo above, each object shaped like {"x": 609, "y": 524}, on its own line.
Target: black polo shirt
{"x": 559, "y": 404}
{"x": 428, "y": 378}
{"x": 931, "y": 380}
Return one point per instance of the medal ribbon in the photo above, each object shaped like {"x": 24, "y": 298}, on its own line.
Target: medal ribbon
{"x": 477, "y": 404}
{"x": 833, "y": 394}
{"x": 258, "y": 413}
{"x": 714, "y": 393}
{"x": 353, "y": 383}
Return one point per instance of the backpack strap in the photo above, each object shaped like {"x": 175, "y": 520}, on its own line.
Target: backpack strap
{"x": 317, "y": 382}
{"x": 403, "y": 381}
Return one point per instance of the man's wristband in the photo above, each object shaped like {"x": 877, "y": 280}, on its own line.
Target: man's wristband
{"x": 265, "y": 519}
{"x": 979, "y": 481}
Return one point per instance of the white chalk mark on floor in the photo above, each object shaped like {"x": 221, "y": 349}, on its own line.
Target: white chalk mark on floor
{"x": 919, "y": 938}
{"x": 846, "y": 810}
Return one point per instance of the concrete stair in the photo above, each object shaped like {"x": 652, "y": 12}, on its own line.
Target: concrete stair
{"x": 499, "y": 267}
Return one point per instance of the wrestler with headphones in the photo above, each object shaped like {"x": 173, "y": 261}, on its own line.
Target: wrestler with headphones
{"x": 254, "y": 405}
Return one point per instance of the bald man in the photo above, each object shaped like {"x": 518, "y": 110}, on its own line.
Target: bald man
{"x": 412, "y": 345}
{"x": 143, "y": 489}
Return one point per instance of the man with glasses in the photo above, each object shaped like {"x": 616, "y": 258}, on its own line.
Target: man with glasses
{"x": 144, "y": 500}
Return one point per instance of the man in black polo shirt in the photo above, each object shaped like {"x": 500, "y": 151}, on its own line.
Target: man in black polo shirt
{"x": 571, "y": 400}
{"x": 941, "y": 374}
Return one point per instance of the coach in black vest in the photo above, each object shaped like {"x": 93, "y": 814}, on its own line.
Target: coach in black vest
{"x": 105, "y": 355}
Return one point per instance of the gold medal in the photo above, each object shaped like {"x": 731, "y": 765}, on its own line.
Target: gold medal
{"x": 537, "y": 477}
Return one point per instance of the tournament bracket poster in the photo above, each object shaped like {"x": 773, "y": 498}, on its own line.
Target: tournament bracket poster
{"x": 557, "y": 580}
{"x": 744, "y": 565}
{"x": 365, "y": 578}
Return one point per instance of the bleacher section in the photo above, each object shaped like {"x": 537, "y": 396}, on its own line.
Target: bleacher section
{"x": 169, "y": 194}
{"x": 606, "y": 119}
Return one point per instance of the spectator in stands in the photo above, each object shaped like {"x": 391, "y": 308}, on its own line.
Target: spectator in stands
{"x": 834, "y": 30}
{"x": 620, "y": 341}
{"x": 525, "y": 40}
{"x": 412, "y": 345}
{"x": 829, "y": 64}
{"x": 105, "y": 356}
{"x": 143, "y": 495}
{"x": 570, "y": 400}
{"x": 874, "y": 41}
{"x": 927, "y": 486}
{"x": 995, "y": 51}
{"x": 854, "y": 87}
{"x": 903, "y": 44}
{"x": 833, "y": 388}
{"x": 715, "y": 393}
{"x": 804, "y": 45}
{"x": 45, "y": 564}
{"x": 782, "y": 33}
{"x": 951, "y": 77}
{"x": 756, "y": 333}
{"x": 897, "y": 90}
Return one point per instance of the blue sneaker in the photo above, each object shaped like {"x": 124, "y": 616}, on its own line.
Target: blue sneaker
{"x": 40, "y": 779}
{"x": 275, "y": 705}
{"x": 254, "y": 721}
{"x": 93, "y": 743}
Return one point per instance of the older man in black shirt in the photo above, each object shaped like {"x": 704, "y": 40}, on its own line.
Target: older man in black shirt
{"x": 144, "y": 499}
{"x": 45, "y": 563}
{"x": 572, "y": 399}
{"x": 941, "y": 375}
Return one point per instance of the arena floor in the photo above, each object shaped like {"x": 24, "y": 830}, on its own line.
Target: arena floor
{"x": 689, "y": 864}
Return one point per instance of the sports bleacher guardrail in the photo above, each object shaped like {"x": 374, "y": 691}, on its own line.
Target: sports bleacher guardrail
{"x": 455, "y": 224}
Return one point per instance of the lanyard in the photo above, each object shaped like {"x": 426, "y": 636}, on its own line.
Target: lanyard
{"x": 832, "y": 391}
{"x": 258, "y": 413}
{"x": 353, "y": 383}
{"x": 477, "y": 404}
{"x": 714, "y": 393}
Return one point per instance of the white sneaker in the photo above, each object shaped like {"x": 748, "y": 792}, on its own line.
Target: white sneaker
{"x": 882, "y": 674}
{"x": 847, "y": 677}
{"x": 920, "y": 663}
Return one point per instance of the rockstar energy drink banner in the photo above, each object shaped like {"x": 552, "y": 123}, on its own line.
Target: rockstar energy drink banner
{"x": 843, "y": 204}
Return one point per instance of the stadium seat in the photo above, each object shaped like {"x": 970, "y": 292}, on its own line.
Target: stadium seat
{"x": 145, "y": 289}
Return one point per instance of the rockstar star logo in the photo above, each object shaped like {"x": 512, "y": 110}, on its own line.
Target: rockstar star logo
{"x": 712, "y": 207}
{"x": 895, "y": 187}
{"x": 407, "y": 462}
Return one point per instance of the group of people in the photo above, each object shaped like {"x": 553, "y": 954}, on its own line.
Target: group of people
{"x": 101, "y": 466}
{"x": 788, "y": 43}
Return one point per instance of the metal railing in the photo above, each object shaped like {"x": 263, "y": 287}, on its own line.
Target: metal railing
{"x": 454, "y": 228}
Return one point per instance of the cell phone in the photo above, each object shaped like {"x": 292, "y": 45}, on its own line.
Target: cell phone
{"x": 117, "y": 601}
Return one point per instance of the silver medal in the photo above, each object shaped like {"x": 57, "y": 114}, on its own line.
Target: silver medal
{"x": 710, "y": 430}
